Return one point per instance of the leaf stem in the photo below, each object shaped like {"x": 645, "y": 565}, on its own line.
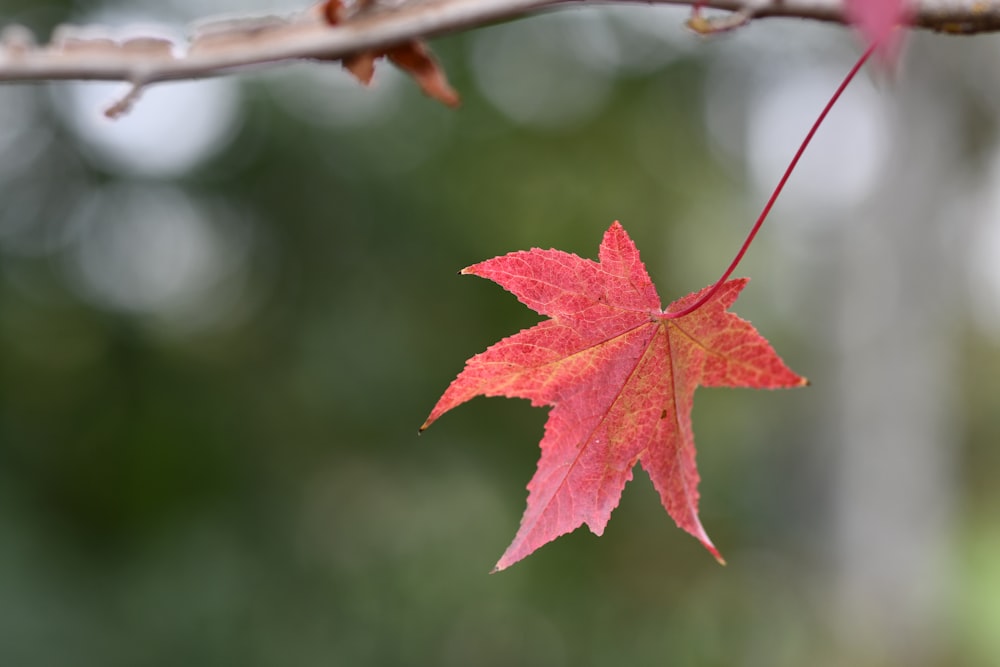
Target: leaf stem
{"x": 777, "y": 190}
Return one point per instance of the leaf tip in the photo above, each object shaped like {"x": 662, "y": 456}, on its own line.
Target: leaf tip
{"x": 706, "y": 542}
{"x": 503, "y": 564}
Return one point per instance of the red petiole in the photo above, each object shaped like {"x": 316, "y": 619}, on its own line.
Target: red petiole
{"x": 777, "y": 190}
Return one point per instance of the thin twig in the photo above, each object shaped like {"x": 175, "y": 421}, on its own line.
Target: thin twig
{"x": 221, "y": 47}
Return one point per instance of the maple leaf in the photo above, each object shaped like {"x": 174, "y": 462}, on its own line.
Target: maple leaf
{"x": 877, "y": 21}
{"x": 620, "y": 375}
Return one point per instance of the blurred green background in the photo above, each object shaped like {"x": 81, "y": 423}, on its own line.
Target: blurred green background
{"x": 223, "y": 318}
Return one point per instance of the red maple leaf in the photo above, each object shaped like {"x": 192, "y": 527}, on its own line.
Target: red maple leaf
{"x": 620, "y": 374}
{"x": 877, "y": 21}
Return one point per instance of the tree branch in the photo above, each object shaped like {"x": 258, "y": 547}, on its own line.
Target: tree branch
{"x": 223, "y": 46}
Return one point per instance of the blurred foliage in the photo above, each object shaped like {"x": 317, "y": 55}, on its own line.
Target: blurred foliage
{"x": 239, "y": 480}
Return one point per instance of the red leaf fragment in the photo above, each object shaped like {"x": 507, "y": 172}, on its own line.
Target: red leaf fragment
{"x": 620, "y": 375}
{"x": 412, "y": 57}
{"x": 416, "y": 59}
{"x": 362, "y": 66}
{"x": 877, "y": 21}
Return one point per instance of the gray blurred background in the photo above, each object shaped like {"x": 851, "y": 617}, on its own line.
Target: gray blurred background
{"x": 223, "y": 318}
